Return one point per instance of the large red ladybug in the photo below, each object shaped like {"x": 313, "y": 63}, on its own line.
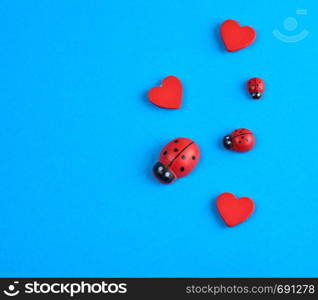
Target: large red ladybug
{"x": 256, "y": 87}
{"x": 177, "y": 159}
{"x": 240, "y": 140}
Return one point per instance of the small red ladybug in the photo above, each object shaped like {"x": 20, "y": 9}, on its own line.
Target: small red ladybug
{"x": 240, "y": 140}
{"x": 177, "y": 159}
{"x": 256, "y": 87}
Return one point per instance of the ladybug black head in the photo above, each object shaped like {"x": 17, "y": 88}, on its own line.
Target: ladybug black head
{"x": 256, "y": 95}
{"x": 163, "y": 173}
{"x": 227, "y": 142}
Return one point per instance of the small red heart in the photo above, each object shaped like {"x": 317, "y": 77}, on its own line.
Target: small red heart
{"x": 236, "y": 37}
{"x": 234, "y": 210}
{"x": 168, "y": 95}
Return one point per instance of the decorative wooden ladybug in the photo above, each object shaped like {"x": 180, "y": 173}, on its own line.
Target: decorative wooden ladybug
{"x": 177, "y": 159}
{"x": 256, "y": 87}
{"x": 240, "y": 140}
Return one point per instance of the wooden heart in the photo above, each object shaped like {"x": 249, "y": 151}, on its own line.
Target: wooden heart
{"x": 234, "y": 210}
{"x": 168, "y": 95}
{"x": 236, "y": 37}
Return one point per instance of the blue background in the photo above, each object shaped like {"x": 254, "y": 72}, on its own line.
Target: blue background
{"x": 79, "y": 139}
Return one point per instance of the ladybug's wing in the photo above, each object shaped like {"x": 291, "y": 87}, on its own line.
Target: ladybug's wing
{"x": 241, "y": 131}
{"x": 172, "y": 149}
{"x": 261, "y": 86}
{"x": 243, "y": 142}
{"x": 186, "y": 160}
{"x": 251, "y": 86}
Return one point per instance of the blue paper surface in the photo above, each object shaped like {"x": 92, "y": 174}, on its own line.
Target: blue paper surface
{"x": 79, "y": 139}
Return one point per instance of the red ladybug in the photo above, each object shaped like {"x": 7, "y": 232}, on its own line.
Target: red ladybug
{"x": 177, "y": 159}
{"x": 256, "y": 87}
{"x": 240, "y": 140}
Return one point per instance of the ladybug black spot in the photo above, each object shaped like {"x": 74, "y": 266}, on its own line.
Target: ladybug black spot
{"x": 183, "y": 157}
{"x": 240, "y": 142}
{"x": 241, "y": 131}
{"x": 176, "y": 141}
{"x": 182, "y": 169}
{"x": 242, "y": 137}
{"x": 193, "y": 157}
{"x": 247, "y": 140}
{"x": 164, "y": 153}
{"x": 175, "y": 150}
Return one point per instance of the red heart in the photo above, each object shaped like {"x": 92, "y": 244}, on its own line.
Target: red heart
{"x": 236, "y": 37}
{"x": 234, "y": 210}
{"x": 168, "y": 95}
